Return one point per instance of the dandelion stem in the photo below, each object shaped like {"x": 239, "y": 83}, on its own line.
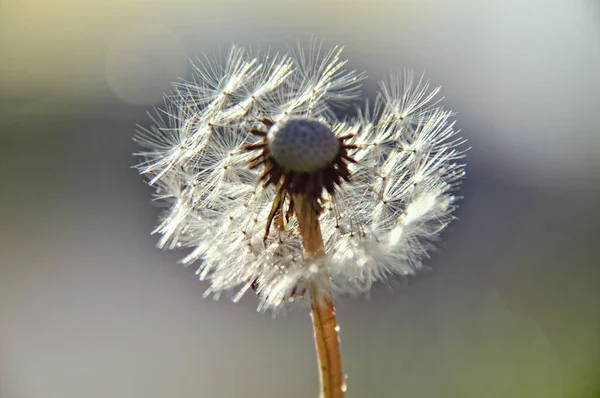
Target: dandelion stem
{"x": 326, "y": 342}
{"x": 322, "y": 308}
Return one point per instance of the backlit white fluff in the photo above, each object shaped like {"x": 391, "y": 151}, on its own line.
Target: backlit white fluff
{"x": 382, "y": 222}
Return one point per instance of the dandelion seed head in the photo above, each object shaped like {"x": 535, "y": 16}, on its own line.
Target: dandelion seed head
{"x": 233, "y": 146}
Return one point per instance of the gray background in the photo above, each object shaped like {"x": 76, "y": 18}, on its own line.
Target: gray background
{"x": 89, "y": 308}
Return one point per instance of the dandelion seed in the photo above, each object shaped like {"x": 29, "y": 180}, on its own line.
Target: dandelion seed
{"x": 272, "y": 193}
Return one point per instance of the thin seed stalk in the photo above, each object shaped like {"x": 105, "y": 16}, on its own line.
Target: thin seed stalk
{"x": 322, "y": 308}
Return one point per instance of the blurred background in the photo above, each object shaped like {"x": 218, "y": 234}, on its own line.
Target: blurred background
{"x": 89, "y": 308}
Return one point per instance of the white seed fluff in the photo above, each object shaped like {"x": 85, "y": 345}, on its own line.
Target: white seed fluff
{"x": 302, "y": 144}
{"x": 382, "y": 222}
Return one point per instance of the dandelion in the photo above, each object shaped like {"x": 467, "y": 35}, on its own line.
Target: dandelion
{"x": 273, "y": 193}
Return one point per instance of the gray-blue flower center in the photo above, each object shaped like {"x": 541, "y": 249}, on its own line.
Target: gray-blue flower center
{"x": 302, "y": 144}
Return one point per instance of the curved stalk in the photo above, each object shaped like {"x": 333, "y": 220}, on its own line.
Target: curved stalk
{"x": 322, "y": 308}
